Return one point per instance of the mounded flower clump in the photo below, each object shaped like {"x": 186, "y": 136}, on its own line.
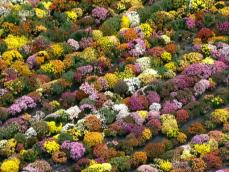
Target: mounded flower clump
{"x": 101, "y": 85}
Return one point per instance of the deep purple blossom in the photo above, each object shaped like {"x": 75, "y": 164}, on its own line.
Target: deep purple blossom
{"x": 132, "y": 128}
{"x": 223, "y": 27}
{"x": 136, "y": 103}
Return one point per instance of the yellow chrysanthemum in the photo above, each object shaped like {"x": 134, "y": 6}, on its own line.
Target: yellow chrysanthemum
{"x": 51, "y": 146}
{"x": 14, "y": 42}
{"x": 11, "y": 55}
{"x": 125, "y": 22}
{"x": 40, "y": 13}
{"x": 146, "y": 28}
{"x": 53, "y": 127}
{"x": 10, "y": 165}
{"x": 112, "y": 79}
{"x": 71, "y": 15}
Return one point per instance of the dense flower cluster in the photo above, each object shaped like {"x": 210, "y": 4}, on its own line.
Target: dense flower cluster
{"x": 22, "y": 104}
{"x": 114, "y": 85}
{"x": 76, "y": 149}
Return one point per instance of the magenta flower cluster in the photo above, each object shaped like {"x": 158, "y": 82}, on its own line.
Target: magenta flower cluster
{"x": 183, "y": 81}
{"x": 190, "y": 23}
{"x": 153, "y": 97}
{"x": 203, "y": 71}
{"x": 170, "y": 106}
{"x": 22, "y": 104}
{"x": 223, "y": 27}
{"x": 76, "y": 149}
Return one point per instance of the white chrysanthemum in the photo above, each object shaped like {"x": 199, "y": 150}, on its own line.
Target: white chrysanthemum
{"x": 186, "y": 154}
{"x": 151, "y": 72}
{"x": 80, "y": 124}
{"x": 155, "y": 107}
{"x": 73, "y": 112}
{"x": 122, "y": 110}
{"x": 17, "y": 1}
{"x": 109, "y": 93}
{"x": 4, "y": 11}
{"x": 166, "y": 39}
{"x": 179, "y": 104}
{"x": 74, "y": 44}
{"x": 67, "y": 126}
{"x": 133, "y": 84}
{"x": 39, "y": 115}
{"x": 148, "y": 76}
{"x": 2, "y": 143}
{"x": 144, "y": 62}
{"x": 30, "y": 132}
{"x": 134, "y": 18}
{"x": 139, "y": 49}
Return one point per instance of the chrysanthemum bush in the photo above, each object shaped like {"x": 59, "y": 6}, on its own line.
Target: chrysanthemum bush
{"x": 113, "y": 85}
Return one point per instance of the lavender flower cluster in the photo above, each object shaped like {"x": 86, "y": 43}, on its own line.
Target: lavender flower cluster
{"x": 76, "y": 149}
{"x": 100, "y": 14}
{"x": 22, "y": 104}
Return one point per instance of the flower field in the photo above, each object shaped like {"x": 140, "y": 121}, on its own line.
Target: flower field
{"x": 114, "y": 86}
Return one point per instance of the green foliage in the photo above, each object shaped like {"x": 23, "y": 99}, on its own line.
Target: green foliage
{"x": 29, "y": 155}
{"x": 57, "y": 89}
{"x": 8, "y": 131}
{"x": 12, "y": 18}
{"x": 63, "y": 137}
{"x": 3, "y": 46}
{"x": 144, "y": 13}
{"x": 121, "y": 163}
{"x": 20, "y": 138}
{"x": 209, "y": 20}
{"x": 121, "y": 87}
{"x": 69, "y": 76}
{"x": 111, "y": 26}
{"x": 178, "y": 24}
{"x": 6, "y": 99}
{"x": 79, "y": 35}
{"x": 41, "y": 127}
{"x": 108, "y": 114}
